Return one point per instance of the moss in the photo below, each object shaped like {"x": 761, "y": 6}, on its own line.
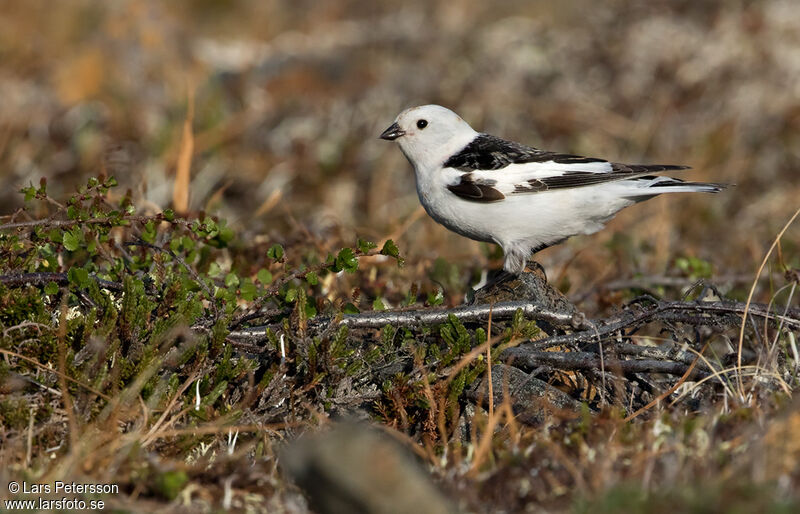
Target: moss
{"x": 169, "y": 484}
{"x": 14, "y": 413}
{"x": 710, "y": 497}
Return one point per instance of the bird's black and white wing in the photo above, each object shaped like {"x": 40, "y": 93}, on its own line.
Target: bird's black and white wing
{"x": 490, "y": 168}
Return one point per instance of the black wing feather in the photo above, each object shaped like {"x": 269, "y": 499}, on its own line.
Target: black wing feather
{"x": 476, "y": 191}
{"x": 487, "y": 152}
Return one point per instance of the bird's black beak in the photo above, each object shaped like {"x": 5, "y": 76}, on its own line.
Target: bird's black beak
{"x": 393, "y": 132}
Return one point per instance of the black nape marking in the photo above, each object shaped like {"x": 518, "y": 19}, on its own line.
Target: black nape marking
{"x": 487, "y": 152}
{"x": 480, "y": 191}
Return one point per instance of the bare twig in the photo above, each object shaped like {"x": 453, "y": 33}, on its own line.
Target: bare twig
{"x": 49, "y": 222}
{"x": 415, "y": 318}
{"x": 58, "y": 373}
{"x": 45, "y": 277}
{"x": 667, "y": 281}
{"x": 466, "y": 313}
{"x": 685, "y": 376}
{"x": 696, "y": 313}
{"x": 576, "y": 361}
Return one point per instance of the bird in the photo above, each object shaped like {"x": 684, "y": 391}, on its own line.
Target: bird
{"x": 522, "y": 198}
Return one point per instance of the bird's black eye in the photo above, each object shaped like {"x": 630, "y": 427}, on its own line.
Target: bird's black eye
{"x": 421, "y": 124}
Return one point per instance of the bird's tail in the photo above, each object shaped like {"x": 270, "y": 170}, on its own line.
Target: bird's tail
{"x": 645, "y": 188}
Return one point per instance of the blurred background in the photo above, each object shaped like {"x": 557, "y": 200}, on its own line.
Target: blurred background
{"x": 286, "y": 99}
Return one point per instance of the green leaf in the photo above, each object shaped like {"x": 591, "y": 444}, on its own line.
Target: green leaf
{"x": 264, "y": 276}
{"x": 149, "y": 232}
{"x": 248, "y": 289}
{"x": 311, "y": 309}
{"x": 231, "y": 279}
{"x": 436, "y": 298}
{"x": 349, "y": 308}
{"x": 365, "y": 246}
{"x": 291, "y": 294}
{"x": 29, "y": 192}
{"x": 55, "y": 235}
{"x": 214, "y": 270}
{"x": 346, "y": 260}
{"x": 211, "y": 227}
{"x": 51, "y": 288}
{"x": 187, "y": 243}
{"x": 226, "y": 235}
{"x": 312, "y": 278}
{"x": 72, "y": 239}
{"x": 377, "y": 304}
{"x": 275, "y": 252}
{"x": 78, "y": 276}
{"x": 391, "y": 249}
{"x": 169, "y": 214}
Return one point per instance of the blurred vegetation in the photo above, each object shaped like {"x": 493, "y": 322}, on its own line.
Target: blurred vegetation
{"x": 180, "y": 161}
{"x": 288, "y": 99}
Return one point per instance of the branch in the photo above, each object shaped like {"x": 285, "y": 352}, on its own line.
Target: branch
{"x": 705, "y": 313}
{"x": 577, "y": 361}
{"x": 42, "y": 278}
{"x": 420, "y": 317}
{"x": 49, "y": 222}
{"x": 668, "y": 281}
{"x": 695, "y": 313}
{"x": 500, "y": 310}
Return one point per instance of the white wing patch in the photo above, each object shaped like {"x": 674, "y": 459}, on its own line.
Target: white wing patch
{"x": 513, "y": 177}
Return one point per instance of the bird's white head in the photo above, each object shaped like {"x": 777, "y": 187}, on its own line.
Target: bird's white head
{"x": 428, "y": 135}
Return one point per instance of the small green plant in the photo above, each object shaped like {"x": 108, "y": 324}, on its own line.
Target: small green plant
{"x": 694, "y": 267}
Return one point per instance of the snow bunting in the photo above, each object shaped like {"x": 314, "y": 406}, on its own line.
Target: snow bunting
{"x": 519, "y": 197}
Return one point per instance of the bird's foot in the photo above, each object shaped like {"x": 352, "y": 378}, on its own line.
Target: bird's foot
{"x": 497, "y": 280}
{"x": 535, "y": 267}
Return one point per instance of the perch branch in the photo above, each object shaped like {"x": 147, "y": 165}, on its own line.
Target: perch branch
{"x": 420, "y": 317}
{"x": 468, "y": 313}
{"x": 579, "y": 361}
{"x": 695, "y": 313}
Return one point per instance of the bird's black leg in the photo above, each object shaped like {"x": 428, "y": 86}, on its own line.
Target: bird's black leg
{"x": 535, "y": 266}
{"x": 497, "y": 279}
